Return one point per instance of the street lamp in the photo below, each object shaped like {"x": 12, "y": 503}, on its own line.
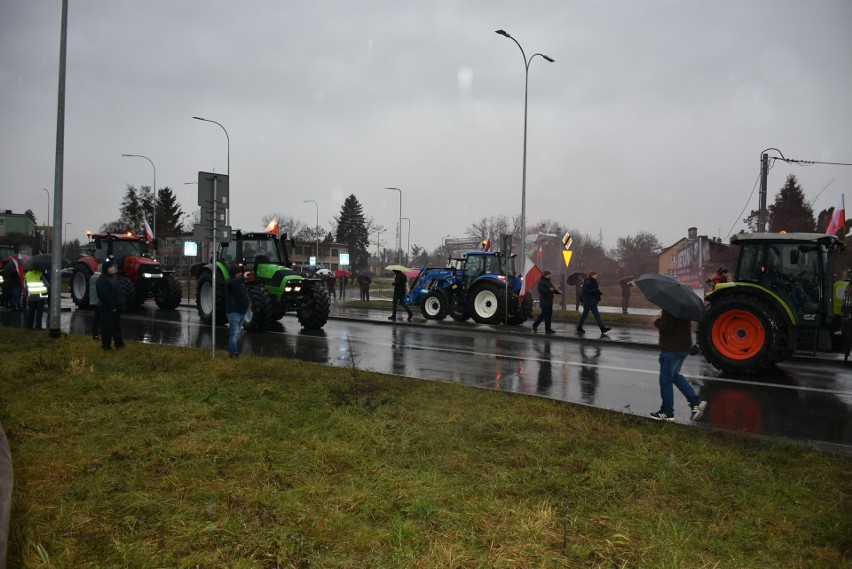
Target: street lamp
{"x": 524, "y": 174}
{"x": 443, "y": 247}
{"x": 154, "y": 226}
{"x": 47, "y": 227}
{"x": 228, "y": 141}
{"x": 399, "y": 227}
{"x": 408, "y": 242}
{"x": 316, "y": 228}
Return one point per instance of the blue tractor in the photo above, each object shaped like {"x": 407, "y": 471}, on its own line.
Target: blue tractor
{"x": 482, "y": 286}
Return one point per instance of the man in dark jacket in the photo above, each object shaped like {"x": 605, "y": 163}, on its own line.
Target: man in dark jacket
{"x": 400, "y": 284}
{"x": 546, "y": 291}
{"x": 590, "y": 298}
{"x": 237, "y": 303}
{"x": 675, "y": 342}
{"x": 112, "y": 304}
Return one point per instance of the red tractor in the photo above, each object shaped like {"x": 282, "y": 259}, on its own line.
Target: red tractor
{"x": 139, "y": 275}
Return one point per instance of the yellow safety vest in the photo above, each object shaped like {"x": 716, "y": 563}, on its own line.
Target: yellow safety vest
{"x": 36, "y": 287}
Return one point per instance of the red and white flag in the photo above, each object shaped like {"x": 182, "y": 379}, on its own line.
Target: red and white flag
{"x": 272, "y": 227}
{"x": 532, "y": 274}
{"x": 539, "y": 255}
{"x": 486, "y": 244}
{"x": 149, "y": 233}
{"x": 838, "y": 219}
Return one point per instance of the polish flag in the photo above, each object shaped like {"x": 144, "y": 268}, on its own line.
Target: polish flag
{"x": 532, "y": 274}
{"x": 149, "y": 233}
{"x": 539, "y": 255}
{"x": 838, "y": 219}
{"x": 272, "y": 227}
{"x": 486, "y": 244}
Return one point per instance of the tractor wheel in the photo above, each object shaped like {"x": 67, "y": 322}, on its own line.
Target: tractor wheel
{"x": 128, "y": 287}
{"x": 458, "y": 313}
{"x": 742, "y": 335}
{"x": 486, "y": 304}
{"x": 204, "y": 300}
{"x": 261, "y": 309}
{"x": 523, "y": 310}
{"x": 279, "y": 310}
{"x": 436, "y": 305}
{"x": 169, "y": 293}
{"x": 80, "y": 285}
{"x": 315, "y": 306}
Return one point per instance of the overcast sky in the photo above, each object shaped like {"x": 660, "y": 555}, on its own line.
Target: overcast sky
{"x": 652, "y": 118}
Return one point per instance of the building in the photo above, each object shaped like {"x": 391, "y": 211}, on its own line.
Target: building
{"x": 16, "y": 224}
{"x": 695, "y": 259}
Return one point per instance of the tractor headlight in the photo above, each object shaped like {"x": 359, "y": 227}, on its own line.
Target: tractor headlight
{"x": 152, "y": 275}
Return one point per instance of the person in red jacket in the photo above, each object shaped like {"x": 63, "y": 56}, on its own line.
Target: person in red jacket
{"x": 720, "y": 277}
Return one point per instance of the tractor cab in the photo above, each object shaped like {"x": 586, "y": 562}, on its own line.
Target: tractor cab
{"x": 255, "y": 250}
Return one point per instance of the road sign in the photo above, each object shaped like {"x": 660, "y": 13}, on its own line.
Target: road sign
{"x": 205, "y": 232}
{"x": 205, "y": 190}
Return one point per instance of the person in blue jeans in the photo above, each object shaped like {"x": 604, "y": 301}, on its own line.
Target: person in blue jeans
{"x": 675, "y": 343}
{"x": 590, "y": 297}
{"x": 236, "y": 305}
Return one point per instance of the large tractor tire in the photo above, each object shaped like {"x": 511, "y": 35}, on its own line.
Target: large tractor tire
{"x": 279, "y": 309}
{"x": 486, "y": 304}
{"x": 458, "y": 313}
{"x": 131, "y": 295}
{"x": 80, "y": 285}
{"x": 742, "y": 335}
{"x": 169, "y": 293}
{"x": 261, "y": 309}
{"x": 204, "y": 300}
{"x": 520, "y": 310}
{"x": 315, "y": 306}
{"x": 436, "y": 305}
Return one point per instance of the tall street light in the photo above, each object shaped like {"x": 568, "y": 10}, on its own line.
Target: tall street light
{"x": 399, "y": 227}
{"x": 47, "y": 227}
{"x": 228, "y": 141}
{"x": 154, "y": 226}
{"x": 316, "y": 227}
{"x": 408, "y": 242}
{"x": 526, "y": 92}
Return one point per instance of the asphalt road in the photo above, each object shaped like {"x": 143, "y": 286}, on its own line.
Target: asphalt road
{"x": 804, "y": 401}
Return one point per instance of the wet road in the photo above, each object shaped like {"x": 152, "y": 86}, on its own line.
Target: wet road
{"x": 805, "y": 402}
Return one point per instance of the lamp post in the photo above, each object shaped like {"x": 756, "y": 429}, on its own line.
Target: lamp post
{"x": 228, "y": 163}
{"x": 524, "y": 173}
{"x": 399, "y": 227}
{"x": 154, "y": 226}
{"x": 47, "y": 227}
{"x": 443, "y": 247}
{"x": 408, "y": 241}
{"x": 316, "y": 227}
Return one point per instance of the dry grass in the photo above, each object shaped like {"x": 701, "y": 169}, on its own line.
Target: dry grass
{"x": 159, "y": 457}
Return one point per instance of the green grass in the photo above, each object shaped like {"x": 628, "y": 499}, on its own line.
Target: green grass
{"x": 157, "y": 456}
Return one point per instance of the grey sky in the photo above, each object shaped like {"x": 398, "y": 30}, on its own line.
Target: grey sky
{"x": 652, "y": 118}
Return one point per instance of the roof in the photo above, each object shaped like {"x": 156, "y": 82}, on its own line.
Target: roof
{"x": 791, "y": 237}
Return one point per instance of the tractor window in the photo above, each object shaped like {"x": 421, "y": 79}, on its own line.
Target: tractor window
{"x": 790, "y": 270}
{"x": 492, "y": 265}
{"x": 228, "y": 252}
{"x": 474, "y": 266}
{"x": 123, "y": 248}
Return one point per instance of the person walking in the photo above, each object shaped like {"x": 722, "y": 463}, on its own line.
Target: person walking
{"x": 400, "y": 283}
{"x": 590, "y": 297}
{"x": 332, "y": 290}
{"x": 112, "y": 304}
{"x": 236, "y": 305}
{"x": 546, "y": 292}
{"x": 675, "y": 343}
{"x": 93, "y": 300}
{"x": 626, "y": 285}
{"x": 367, "y": 282}
{"x": 343, "y": 284}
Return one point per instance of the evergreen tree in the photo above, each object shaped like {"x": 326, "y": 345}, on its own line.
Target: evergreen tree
{"x": 352, "y": 231}
{"x": 29, "y": 213}
{"x": 169, "y": 213}
{"x": 791, "y": 212}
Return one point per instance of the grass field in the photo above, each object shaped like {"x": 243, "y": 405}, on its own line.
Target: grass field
{"x": 158, "y": 456}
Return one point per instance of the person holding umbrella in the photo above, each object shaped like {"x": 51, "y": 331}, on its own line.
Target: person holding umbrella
{"x": 590, "y": 298}
{"x": 37, "y": 292}
{"x": 680, "y": 305}
{"x": 400, "y": 284}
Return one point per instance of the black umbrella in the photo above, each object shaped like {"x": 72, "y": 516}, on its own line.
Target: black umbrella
{"x": 623, "y": 280}
{"x": 671, "y": 295}
{"x": 575, "y": 279}
{"x": 44, "y": 262}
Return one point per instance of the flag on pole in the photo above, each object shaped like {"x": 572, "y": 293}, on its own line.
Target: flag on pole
{"x": 486, "y": 244}
{"x": 539, "y": 255}
{"x": 532, "y": 274}
{"x": 149, "y": 233}
{"x": 272, "y": 227}
{"x": 838, "y": 219}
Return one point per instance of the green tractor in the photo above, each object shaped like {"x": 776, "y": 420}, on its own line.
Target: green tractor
{"x": 784, "y": 299}
{"x": 276, "y": 290}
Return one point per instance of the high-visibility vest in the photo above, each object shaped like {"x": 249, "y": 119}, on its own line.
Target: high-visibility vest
{"x": 36, "y": 287}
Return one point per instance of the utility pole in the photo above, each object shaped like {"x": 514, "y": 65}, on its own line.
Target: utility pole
{"x": 764, "y": 173}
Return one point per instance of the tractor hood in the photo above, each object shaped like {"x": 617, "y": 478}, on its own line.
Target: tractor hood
{"x": 144, "y": 266}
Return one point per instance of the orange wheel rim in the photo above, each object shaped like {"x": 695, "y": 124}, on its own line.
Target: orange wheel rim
{"x": 738, "y": 335}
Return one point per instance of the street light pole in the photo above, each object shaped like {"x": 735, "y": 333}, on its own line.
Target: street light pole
{"x": 228, "y": 163}
{"x": 408, "y": 242}
{"x": 524, "y": 173}
{"x": 154, "y": 226}
{"x": 47, "y": 227}
{"x": 399, "y": 227}
{"x": 316, "y": 227}
{"x": 443, "y": 246}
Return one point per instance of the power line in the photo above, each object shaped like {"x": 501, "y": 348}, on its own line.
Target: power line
{"x": 744, "y": 207}
{"x": 809, "y": 162}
